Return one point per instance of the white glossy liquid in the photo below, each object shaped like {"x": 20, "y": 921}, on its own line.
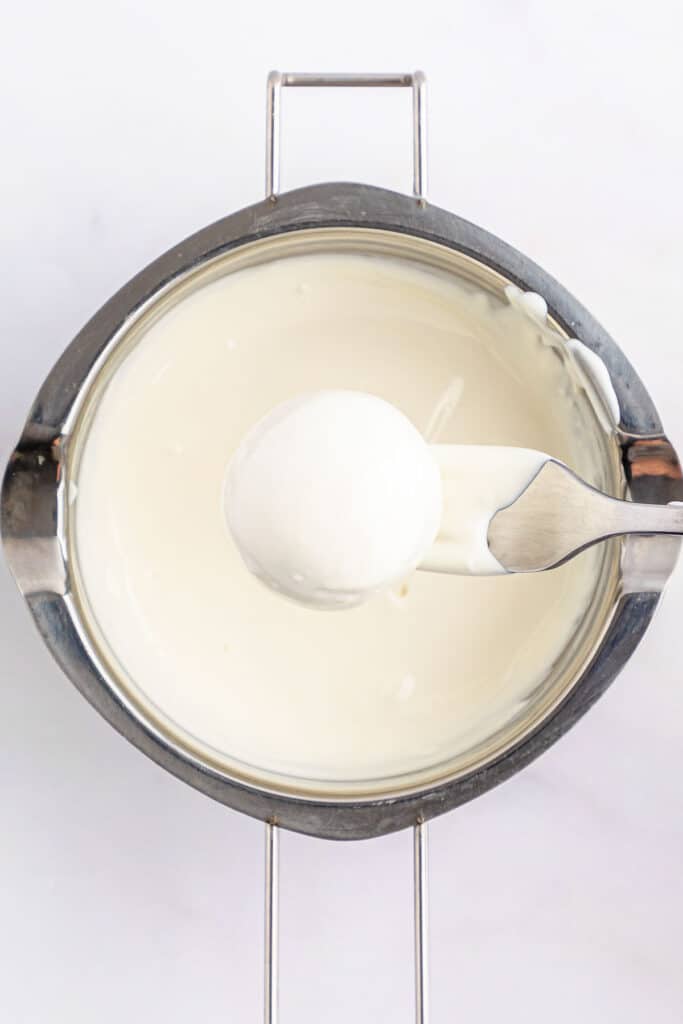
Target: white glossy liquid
{"x": 477, "y": 481}
{"x": 399, "y": 684}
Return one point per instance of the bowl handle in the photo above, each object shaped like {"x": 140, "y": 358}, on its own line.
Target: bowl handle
{"x": 271, "y": 936}
{"x": 414, "y": 80}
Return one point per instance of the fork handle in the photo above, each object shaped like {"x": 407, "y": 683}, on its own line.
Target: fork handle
{"x": 622, "y": 517}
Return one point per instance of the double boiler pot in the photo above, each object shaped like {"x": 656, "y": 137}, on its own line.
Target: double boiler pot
{"x": 633, "y": 460}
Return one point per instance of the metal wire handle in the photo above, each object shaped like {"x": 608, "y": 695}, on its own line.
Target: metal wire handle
{"x": 414, "y": 80}
{"x": 271, "y": 947}
{"x": 417, "y": 82}
{"x": 271, "y": 937}
{"x": 420, "y": 879}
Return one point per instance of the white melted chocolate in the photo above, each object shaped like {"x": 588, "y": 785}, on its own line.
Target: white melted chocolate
{"x": 403, "y": 683}
{"x": 476, "y": 482}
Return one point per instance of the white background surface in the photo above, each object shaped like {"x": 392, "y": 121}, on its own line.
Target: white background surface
{"x": 125, "y": 895}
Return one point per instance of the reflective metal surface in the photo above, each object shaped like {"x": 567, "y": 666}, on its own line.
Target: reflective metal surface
{"x": 35, "y": 512}
{"x": 559, "y": 515}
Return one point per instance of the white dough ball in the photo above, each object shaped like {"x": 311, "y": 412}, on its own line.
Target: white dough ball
{"x": 332, "y": 497}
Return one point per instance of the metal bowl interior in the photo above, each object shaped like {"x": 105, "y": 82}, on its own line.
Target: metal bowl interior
{"x": 42, "y": 554}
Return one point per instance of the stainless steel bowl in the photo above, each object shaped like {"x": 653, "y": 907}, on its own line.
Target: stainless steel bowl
{"x": 637, "y": 460}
